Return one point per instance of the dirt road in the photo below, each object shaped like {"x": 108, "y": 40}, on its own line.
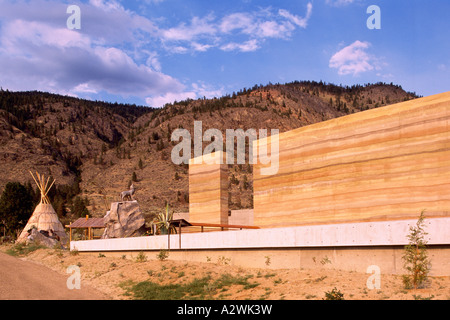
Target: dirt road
{"x": 26, "y": 280}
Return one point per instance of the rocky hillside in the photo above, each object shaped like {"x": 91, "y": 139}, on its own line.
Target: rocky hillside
{"x": 101, "y": 147}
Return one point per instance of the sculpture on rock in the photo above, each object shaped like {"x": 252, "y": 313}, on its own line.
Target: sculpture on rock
{"x": 127, "y": 194}
{"x": 123, "y": 220}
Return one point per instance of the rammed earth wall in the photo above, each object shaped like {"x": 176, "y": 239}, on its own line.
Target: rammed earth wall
{"x": 383, "y": 164}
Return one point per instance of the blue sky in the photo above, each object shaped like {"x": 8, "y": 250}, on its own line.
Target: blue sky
{"x": 156, "y": 51}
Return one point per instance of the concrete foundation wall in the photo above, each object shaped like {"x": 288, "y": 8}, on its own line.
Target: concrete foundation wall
{"x": 388, "y": 258}
{"x": 358, "y": 259}
{"x": 383, "y": 164}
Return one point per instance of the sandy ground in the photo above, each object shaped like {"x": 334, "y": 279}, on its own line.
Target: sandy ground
{"x": 109, "y": 274}
{"x": 27, "y": 280}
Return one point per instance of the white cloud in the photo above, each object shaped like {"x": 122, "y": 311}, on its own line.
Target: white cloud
{"x": 199, "y": 35}
{"x": 201, "y": 47}
{"x": 36, "y": 56}
{"x": 160, "y": 100}
{"x": 299, "y": 21}
{"x": 353, "y": 59}
{"x": 339, "y": 3}
{"x": 106, "y": 5}
{"x": 248, "y": 46}
{"x": 179, "y": 49}
{"x": 274, "y": 29}
{"x": 19, "y": 34}
{"x": 203, "y": 90}
{"x": 235, "y": 21}
{"x": 84, "y": 88}
{"x": 198, "y": 27}
{"x": 154, "y": 1}
{"x": 202, "y": 34}
{"x": 197, "y": 91}
{"x": 107, "y": 22}
{"x": 152, "y": 60}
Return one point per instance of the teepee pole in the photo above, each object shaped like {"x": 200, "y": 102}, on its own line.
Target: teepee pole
{"x": 43, "y": 186}
{"x": 47, "y": 189}
{"x": 40, "y": 178}
{"x": 38, "y": 185}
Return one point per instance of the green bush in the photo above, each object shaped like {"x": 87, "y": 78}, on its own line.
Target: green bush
{"x": 334, "y": 294}
{"x": 415, "y": 258}
{"x": 162, "y": 255}
{"x": 203, "y": 288}
{"x": 141, "y": 257}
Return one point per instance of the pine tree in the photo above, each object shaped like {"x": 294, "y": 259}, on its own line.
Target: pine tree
{"x": 79, "y": 207}
{"x": 16, "y": 207}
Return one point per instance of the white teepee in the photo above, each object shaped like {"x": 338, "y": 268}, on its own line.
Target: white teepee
{"x": 44, "y": 217}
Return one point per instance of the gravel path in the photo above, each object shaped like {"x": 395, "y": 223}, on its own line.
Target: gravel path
{"x": 27, "y": 280}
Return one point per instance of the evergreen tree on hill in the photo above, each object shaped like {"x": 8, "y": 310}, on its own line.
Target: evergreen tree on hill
{"x": 16, "y": 207}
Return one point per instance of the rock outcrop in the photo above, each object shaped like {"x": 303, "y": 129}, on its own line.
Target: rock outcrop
{"x": 123, "y": 220}
{"x": 43, "y": 238}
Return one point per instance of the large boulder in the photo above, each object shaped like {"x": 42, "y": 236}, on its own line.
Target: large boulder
{"x": 123, "y": 220}
{"x": 43, "y": 238}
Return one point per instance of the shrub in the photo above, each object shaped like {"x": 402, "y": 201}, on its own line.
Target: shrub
{"x": 162, "y": 255}
{"x": 415, "y": 258}
{"x": 141, "y": 257}
{"x": 334, "y": 294}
